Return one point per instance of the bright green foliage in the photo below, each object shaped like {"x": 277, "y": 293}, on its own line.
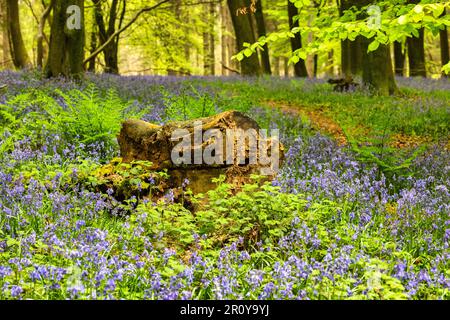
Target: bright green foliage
{"x": 396, "y": 22}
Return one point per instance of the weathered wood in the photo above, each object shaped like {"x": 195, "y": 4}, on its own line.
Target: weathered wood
{"x": 140, "y": 140}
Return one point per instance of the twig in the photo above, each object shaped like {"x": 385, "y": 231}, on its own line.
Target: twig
{"x": 229, "y": 68}
{"x": 126, "y": 26}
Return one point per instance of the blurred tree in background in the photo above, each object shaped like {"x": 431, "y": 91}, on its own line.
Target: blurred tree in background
{"x": 220, "y": 37}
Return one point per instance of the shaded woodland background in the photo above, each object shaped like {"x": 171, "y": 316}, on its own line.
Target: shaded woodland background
{"x": 194, "y": 37}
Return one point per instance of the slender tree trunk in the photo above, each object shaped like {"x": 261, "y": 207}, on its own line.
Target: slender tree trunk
{"x": 66, "y": 44}
{"x": 261, "y": 27}
{"x": 416, "y": 52}
{"x": 445, "y": 54}
{"x": 41, "y": 35}
{"x": 296, "y": 42}
{"x": 223, "y": 39}
{"x": 416, "y": 55}
{"x": 209, "y": 41}
{"x": 6, "y": 51}
{"x": 399, "y": 58}
{"x": 330, "y": 64}
{"x": 212, "y": 40}
{"x": 17, "y": 46}
{"x": 111, "y": 50}
{"x": 206, "y": 67}
{"x": 93, "y": 44}
{"x": 286, "y": 66}
{"x": 244, "y": 32}
{"x": 276, "y": 62}
{"x": 315, "y": 65}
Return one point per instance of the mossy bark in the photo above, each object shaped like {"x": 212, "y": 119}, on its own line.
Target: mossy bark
{"x": 18, "y": 51}
{"x": 66, "y": 51}
{"x": 378, "y": 72}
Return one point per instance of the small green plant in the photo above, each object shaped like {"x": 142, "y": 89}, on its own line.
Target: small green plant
{"x": 189, "y": 104}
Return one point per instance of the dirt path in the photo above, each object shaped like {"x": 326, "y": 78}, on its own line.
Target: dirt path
{"x": 323, "y": 123}
{"x": 318, "y": 119}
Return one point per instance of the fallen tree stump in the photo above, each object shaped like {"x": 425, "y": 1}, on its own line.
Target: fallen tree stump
{"x": 229, "y": 144}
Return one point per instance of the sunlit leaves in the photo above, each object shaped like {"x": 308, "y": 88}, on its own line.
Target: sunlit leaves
{"x": 374, "y": 45}
{"x": 398, "y": 21}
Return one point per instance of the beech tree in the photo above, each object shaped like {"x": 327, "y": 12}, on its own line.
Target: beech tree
{"x": 261, "y": 28}
{"x": 66, "y": 50}
{"x": 16, "y": 45}
{"x": 445, "y": 53}
{"x": 296, "y": 40}
{"x": 245, "y": 33}
{"x": 377, "y": 23}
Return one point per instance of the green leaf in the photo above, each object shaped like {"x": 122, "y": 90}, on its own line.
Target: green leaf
{"x": 248, "y": 52}
{"x": 402, "y": 20}
{"x": 302, "y": 55}
{"x": 373, "y": 45}
{"x": 438, "y": 10}
{"x": 239, "y": 56}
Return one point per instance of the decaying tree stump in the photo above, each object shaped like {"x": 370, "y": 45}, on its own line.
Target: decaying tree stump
{"x": 199, "y": 150}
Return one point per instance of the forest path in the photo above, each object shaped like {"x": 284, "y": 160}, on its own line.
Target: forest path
{"x": 322, "y": 122}
{"x": 319, "y": 120}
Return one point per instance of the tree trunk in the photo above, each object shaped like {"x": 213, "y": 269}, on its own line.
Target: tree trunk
{"x": 212, "y": 40}
{"x": 416, "y": 55}
{"x": 286, "y": 66}
{"x": 378, "y": 73}
{"x": 445, "y": 54}
{"x": 296, "y": 42}
{"x": 206, "y": 62}
{"x": 276, "y": 69}
{"x": 223, "y": 39}
{"x": 330, "y": 64}
{"x": 244, "y": 32}
{"x": 111, "y": 50}
{"x": 6, "y": 51}
{"x": 66, "y": 44}
{"x": 41, "y": 35}
{"x": 399, "y": 56}
{"x": 261, "y": 27}
{"x": 93, "y": 44}
{"x": 18, "y": 51}
{"x": 209, "y": 41}
{"x": 376, "y": 66}
{"x": 351, "y": 51}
